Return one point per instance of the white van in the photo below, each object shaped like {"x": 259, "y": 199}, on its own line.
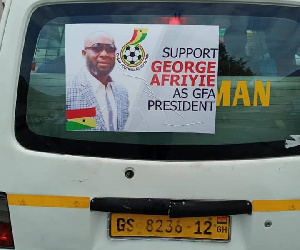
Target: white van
{"x": 134, "y": 168}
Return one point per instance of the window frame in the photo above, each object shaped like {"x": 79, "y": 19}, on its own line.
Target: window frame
{"x": 35, "y": 142}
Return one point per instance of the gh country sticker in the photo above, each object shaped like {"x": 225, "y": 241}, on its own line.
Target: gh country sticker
{"x": 222, "y": 220}
{"x": 81, "y": 119}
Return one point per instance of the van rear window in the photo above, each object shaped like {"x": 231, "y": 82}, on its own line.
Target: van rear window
{"x": 257, "y": 100}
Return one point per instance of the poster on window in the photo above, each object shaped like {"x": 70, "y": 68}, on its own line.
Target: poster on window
{"x": 141, "y": 78}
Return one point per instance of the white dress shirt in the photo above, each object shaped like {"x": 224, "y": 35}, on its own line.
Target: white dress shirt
{"x": 100, "y": 91}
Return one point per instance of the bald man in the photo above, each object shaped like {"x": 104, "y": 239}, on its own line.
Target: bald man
{"x": 94, "y": 87}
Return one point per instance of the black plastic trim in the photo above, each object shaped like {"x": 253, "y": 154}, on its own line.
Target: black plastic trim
{"x": 173, "y": 208}
{"x": 196, "y": 208}
{"x": 131, "y": 205}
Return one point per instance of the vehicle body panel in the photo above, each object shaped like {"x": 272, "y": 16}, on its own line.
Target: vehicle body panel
{"x": 27, "y": 172}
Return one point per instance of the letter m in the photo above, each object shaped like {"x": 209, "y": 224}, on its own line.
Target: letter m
{"x": 224, "y": 93}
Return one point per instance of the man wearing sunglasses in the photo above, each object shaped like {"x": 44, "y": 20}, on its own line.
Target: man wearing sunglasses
{"x": 94, "y": 87}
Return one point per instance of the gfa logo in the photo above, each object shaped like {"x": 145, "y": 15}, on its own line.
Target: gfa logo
{"x": 132, "y": 55}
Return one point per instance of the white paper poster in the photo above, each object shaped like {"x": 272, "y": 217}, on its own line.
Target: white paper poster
{"x": 141, "y": 78}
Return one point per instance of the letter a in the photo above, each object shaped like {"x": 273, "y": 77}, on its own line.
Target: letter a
{"x": 155, "y": 80}
{"x": 176, "y": 93}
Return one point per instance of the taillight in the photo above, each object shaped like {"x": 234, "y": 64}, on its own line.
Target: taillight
{"x": 6, "y": 236}
{"x": 175, "y": 20}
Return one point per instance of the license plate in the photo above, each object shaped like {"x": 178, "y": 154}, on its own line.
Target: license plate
{"x": 199, "y": 228}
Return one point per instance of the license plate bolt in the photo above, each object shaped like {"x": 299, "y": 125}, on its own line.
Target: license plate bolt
{"x": 268, "y": 223}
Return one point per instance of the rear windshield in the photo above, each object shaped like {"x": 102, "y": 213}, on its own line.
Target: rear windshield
{"x": 257, "y": 102}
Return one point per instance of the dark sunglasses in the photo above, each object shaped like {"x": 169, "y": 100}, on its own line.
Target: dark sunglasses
{"x": 99, "y": 47}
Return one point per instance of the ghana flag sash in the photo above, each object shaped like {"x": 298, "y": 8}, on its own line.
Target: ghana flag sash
{"x": 81, "y": 119}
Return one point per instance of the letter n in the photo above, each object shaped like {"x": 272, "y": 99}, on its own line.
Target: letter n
{"x": 264, "y": 96}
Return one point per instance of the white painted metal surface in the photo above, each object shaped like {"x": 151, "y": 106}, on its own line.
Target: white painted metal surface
{"x": 27, "y": 172}
{"x": 1, "y": 8}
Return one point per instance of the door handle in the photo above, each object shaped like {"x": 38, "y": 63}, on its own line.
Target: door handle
{"x": 173, "y": 208}
{"x": 131, "y": 205}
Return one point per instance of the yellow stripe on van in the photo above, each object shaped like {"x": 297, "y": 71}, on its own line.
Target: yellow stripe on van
{"x": 48, "y": 201}
{"x": 84, "y": 202}
{"x": 275, "y": 205}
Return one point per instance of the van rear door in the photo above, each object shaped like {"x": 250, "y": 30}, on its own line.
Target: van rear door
{"x": 80, "y": 187}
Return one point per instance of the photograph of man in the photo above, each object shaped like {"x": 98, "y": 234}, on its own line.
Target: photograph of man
{"x": 93, "y": 87}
